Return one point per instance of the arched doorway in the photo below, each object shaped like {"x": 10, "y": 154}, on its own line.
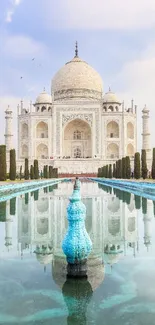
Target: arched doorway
{"x": 77, "y": 140}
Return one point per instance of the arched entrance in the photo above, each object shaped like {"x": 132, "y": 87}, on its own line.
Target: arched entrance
{"x": 77, "y": 140}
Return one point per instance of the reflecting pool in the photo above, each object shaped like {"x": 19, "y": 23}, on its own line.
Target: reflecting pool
{"x": 120, "y": 288}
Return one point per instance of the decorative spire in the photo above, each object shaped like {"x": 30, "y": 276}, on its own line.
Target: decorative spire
{"x": 109, "y": 89}
{"x": 76, "y": 49}
{"x": 44, "y": 89}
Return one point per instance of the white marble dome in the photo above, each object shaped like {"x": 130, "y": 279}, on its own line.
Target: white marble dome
{"x": 110, "y": 97}
{"x": 77, "y": 79}
{"x": 44, "y": 98}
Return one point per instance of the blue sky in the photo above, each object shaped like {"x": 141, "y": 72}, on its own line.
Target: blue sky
{"x": 117, "y": 38}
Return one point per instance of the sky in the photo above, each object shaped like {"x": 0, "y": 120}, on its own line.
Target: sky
{"x": 116, "y": 37}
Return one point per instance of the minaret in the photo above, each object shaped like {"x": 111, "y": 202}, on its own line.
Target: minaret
{"x": 146, "y": 136}
{"x": 8, "y": 227}
{"x": 8, "y": 131}
{"x": 147, "y": 219}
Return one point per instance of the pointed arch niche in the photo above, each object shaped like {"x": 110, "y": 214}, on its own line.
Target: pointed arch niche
{"x": 42, "y": 130}
{"x": 77, "y": 140}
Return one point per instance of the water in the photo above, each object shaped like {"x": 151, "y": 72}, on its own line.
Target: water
{"x": 120, "y": 289}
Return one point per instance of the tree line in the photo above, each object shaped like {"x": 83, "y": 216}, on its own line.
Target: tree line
{"x": 122, "y": 168}
{"x": 28, "y": 173}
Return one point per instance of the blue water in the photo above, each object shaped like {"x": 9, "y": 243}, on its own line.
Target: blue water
{"x": 120, "y": 288}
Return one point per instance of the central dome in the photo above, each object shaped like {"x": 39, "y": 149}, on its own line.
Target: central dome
{"x": 77, "y": 79}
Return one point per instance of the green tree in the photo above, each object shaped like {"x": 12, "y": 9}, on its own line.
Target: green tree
{"x": 137, "y": 165}
{"x": 128, "y": 167}
{"x": 26, "y": 171}
{"x": 36, "y": 169}
{"x": 114, "y": 170}
{"x": 12, "y": 172}
{"x": 32, "y": 172}
{"x": 143, "y": 164}
{"x": 50, "y": 171}
{"x": 119, "y": 168}
{"x": 2, "y": 163}
{"x": 153, "y": 164}
{"x": 106, "y": 171}
{"x": 20, "y": 173}
{"x": 110, "y": 171}
{"x": 123, "y": 168}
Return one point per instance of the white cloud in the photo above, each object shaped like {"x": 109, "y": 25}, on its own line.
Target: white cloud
{"x": 17, "y": 2}
{"x": 138, "y": 81}
{"x": 9, "y": 15}
{"x": 97, "y": 14}
{"x": 19, "y": 46}
{"x": 10, "y": 12}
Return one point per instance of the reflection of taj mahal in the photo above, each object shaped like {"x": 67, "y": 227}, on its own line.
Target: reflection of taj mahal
{"x": 77, "y": 128}
{"x": 111, "y": 223}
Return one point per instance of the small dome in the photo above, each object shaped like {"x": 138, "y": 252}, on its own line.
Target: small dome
{"x": 110, "y": 97}
{"x": 77, "y": 79}
{"x": 44, "y": 98}
{"x": 145, "y": 109}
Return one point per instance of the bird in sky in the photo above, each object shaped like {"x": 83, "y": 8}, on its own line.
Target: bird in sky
{"x": 33, "y": 59}
{"x": 21, "y": 77}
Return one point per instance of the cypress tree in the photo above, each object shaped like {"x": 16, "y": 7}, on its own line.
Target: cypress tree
{"x": 123, "y": 168}
{"x": 20, "y": 173}
{"x": 3, "y": 211}
{"x": 32, "y": 172}
{"x": 50, "y": 172}
{"x": 137, "y": 165}
{"x": 119, "y": 168}
{"x": 26, "y": 171}
{"x": 106, "y": 171}
{"x": 12, "y": 172}
{"x": 36, "y": 169}
{"x": 13, "y": 206}
{"x": 110, "y": 171}
{"x": 47, "y": 171}
{"x": 137, "y": 202}
{"x": 143, "y": 164}
{"x": 2, "y": 163}
{"x": 128, "y": 167}
{"x": 114, "y": 170}
{"x": 153, "y": 164}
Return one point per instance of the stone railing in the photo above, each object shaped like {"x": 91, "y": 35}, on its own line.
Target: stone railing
{"x": 144, "y": 189}
{"x": 11, "y": 190}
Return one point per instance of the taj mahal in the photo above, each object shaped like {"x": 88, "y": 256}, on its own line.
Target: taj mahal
{"x": 77, "y": 128}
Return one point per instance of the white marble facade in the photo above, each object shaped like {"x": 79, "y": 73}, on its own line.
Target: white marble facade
{"x": 77, "y": 128}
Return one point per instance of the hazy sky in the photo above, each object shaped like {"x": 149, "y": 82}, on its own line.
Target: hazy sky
{"x": 116, "y": 37}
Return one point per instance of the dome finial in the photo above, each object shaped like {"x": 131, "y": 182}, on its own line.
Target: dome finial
{"x": 109, "y": 88}
{"x": 44, "y": 89}
{"x": 76, "y": 49}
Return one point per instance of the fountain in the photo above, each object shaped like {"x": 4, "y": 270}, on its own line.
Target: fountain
{"x": 76, "y": 244}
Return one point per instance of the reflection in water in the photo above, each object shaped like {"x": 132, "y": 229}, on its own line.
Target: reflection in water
{"x": 77, "y": 294}
{"x": 119, "y": 226}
